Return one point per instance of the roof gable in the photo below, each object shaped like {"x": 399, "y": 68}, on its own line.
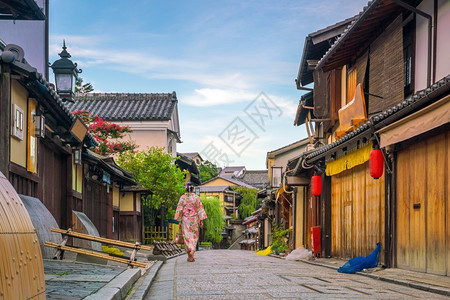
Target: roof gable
{"x": 127, "y": 106}
{"x": 363, "y": 30}
{"x": 316, "y": 44}
{"x": 221, "y": 181}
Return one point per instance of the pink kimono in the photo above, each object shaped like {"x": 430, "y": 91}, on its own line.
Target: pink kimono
{"x": 190, "y": 211}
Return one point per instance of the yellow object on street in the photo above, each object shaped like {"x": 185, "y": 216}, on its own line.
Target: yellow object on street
{"x": 266, "y": 251}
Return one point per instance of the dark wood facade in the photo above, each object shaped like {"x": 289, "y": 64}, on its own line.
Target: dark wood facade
{"x": 405, "y": 209}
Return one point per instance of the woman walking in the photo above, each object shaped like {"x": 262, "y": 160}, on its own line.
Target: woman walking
{"x": 190, "y": 213}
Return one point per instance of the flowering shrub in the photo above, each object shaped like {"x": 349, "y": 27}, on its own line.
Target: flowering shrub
{"x": 103, "y": 131}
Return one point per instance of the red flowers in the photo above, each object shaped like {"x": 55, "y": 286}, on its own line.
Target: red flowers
{"x": 103, "y": 130}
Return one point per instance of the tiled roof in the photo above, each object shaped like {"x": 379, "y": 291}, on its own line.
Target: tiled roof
{"x": 229, "y": 171}
{"x": 237, "y": 182}
{"x": 256, "y": 178}
{"x": 214, "y": 188}
{"x": 191, "y": 155}
{"x": 109, "y": 165}
{"x": 231, "y": 179}
{"x": 316, "y": 44}
{"x": 126, "y": 106}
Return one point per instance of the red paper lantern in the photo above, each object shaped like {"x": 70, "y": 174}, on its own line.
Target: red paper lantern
{"x": 316, "y": 185}
{"x": 376, "y": 163}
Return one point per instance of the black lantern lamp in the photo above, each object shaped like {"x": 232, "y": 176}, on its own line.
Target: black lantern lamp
{"x": 65, "y": 71}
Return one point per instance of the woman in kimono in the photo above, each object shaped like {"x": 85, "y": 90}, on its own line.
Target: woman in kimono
{"x": 190, "y": 213}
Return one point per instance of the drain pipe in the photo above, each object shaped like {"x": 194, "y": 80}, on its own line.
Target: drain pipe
{"x": 430, "y": 27}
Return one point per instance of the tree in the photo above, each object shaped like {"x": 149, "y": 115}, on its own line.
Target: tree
{"x": 110, "y": 136}
{"x": 249, "y": 202}
{"x": 214, "y": 223}
{"x": 154, "y": 169}
{"x": 83, "y": 88}
{"x": 208, "y": 170}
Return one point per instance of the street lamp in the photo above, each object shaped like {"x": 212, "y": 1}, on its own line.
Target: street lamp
{"x": 65, "y": 71}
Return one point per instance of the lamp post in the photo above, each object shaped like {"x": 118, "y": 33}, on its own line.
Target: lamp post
{"x": 65, "y": 71}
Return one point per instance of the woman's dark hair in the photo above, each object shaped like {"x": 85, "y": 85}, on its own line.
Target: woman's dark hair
{"x": 189, "y": 187}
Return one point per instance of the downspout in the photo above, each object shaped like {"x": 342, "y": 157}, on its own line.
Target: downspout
{"x": 430, "y": 28}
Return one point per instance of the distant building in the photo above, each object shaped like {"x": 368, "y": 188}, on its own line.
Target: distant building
{"x": 187, "y": 164}
{"x": 232, "y": 171}
{"x": 195, "y": 156}
{"x": 153, "y": 117}
{"x": 256, "y": 178}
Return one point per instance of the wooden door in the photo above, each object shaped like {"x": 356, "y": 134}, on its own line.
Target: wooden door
{"x": 357, "y": 212}
{"x": 422, "y": 196}
{"x": 96, "y": 205}
{"x": 53, "y": 173}
{"x": 312, "y": 215}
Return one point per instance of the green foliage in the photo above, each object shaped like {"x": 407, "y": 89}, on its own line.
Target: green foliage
{"x": 215, "y": 222}
{"x": 154, "y": 169}
{"x": 280, "y": 239}
{"x": 249, "y": 202}
{"x": 112, "y": 250}
{"x": 205, "y": 244}
{"x": 208, "y": 170}
{"x": 83, "y": 88}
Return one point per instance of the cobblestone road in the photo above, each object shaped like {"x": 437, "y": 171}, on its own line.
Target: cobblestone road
{"x": 236, "y": 274}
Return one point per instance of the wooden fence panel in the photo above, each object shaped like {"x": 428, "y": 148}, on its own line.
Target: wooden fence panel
{"x": 160, "y": 233}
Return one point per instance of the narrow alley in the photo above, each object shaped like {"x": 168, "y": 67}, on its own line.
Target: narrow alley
{"x": 235, "y": 274}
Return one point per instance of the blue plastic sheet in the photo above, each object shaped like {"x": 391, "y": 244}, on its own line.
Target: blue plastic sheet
{"x": 359, "y": 263}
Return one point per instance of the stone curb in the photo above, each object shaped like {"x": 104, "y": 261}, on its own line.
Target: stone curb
{"x": 423, "y": 287}
{"x": 143, "y": 289}
{"x": 117, "y": 288}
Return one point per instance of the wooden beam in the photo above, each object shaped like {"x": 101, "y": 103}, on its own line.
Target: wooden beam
{"x": 101, "y": 240}
{"x": 96, "y": 254}
{"x": 297, "y": 181}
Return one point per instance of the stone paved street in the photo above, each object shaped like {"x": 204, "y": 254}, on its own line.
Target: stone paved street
{"x": 74, "y": 280}
{"x": 236, "y": 274}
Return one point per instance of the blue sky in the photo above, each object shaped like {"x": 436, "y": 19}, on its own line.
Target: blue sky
{"x": 231, "y": 63}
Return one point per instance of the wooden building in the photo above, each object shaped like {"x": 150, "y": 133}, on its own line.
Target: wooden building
{"x": 384, "y": 83}
{"x": 39, "y": 137}
{"x": 285, "y": 195}
{"x": 44, "y": 151}
{"x": 111, "y": 198}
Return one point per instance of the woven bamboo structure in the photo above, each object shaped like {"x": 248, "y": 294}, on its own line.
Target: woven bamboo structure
{"x": 21, "y": 264}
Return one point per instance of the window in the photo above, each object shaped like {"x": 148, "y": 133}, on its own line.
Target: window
{"x": 276, "y": 176}
{"x": 408, "y": 54}
{"x": 31, "y": 136}
{"x": 17, "y": 129}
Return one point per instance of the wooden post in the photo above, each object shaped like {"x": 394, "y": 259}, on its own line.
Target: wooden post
{"x": 5, "y": 118}
{"x": 60, "y": 253}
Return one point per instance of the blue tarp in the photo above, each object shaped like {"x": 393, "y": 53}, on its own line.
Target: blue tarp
{"x": 359, "y": 263}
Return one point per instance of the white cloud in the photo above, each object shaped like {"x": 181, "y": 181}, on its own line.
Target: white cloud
{"x": 213, "y": 96}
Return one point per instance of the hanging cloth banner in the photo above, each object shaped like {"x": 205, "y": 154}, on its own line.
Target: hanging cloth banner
{"x": 349, "y": 161}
